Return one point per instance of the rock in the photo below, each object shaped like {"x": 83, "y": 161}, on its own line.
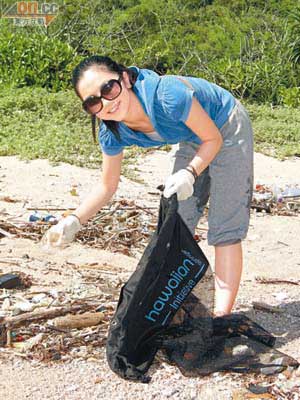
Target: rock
{"x": 257, "y": 389}
{"x": 272, "y": 370}
{"x": 282, "y": 377}
{"x": 30, "y": 343}
{"x": 24, "y": 306}
{"x": 242, "y": 350}
{"x": 290, "y": 385}
{"x": 38, "y": 298}
{"x": 6, "y": 304}
{"x": 16, "y": 311}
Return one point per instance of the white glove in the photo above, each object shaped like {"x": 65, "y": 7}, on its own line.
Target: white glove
{"x": 62, "y": 233}
{"x": 181, "y": 183}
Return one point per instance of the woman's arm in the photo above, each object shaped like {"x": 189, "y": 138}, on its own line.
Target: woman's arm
{"x": 202, "y": 125}
{"x": 102, "y": 193}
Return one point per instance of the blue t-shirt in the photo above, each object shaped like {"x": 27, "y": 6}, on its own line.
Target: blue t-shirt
{"x": 167, "y": 102}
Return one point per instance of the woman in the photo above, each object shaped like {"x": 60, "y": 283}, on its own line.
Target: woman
{"x": 214, "y": 156}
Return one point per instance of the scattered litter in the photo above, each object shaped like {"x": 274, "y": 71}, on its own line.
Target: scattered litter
{"x": 35, "y": 217}
{"x": 14, "y": 280}
{"x": 10, "y": 281}
{"x": 122, "y": 227}
{"x": 25, "y": 346}
{"x": 276, "y": 201}
{"x": 125, "y": 227}
{"x": 73, "y": 191}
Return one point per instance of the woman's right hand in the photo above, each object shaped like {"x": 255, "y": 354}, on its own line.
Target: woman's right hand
{"x": 62, "y": 233}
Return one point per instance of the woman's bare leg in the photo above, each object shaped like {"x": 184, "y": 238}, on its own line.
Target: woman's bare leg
{"x": 228, "y": 269}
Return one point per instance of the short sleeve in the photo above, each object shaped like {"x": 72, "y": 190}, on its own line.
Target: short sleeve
{"x": 175, "y": 97}
{"x": 108, "y": 142}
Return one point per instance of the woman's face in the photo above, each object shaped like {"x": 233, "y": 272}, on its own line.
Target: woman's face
{"x": 90, "y": 85}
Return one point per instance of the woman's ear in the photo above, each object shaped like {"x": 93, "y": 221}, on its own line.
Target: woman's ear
{"x": 126, "y": 80}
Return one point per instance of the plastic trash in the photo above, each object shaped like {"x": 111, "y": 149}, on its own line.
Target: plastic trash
{"x": 262, "y": 196}
{"x": 276, "y": 194}
{"x": 35, "y": 217}
{"x": 288, "y": 192}
{"x": 291, "y": 191}
{"x": 10, "y": 281}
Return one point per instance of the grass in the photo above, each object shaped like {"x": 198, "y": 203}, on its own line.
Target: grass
{"x": 276, "y": 130}
{"x": 39, "y": 124}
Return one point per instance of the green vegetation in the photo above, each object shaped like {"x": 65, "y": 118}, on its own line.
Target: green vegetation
{"x": 250, "y": 47}
{"x": 276, "y": 130}
{"x": 39, "y": 124}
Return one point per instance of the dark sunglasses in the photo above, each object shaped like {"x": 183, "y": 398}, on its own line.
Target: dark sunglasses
{"x": 109, "y": 91}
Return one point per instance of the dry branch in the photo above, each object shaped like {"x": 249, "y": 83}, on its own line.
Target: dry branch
{"x": 18, "y": 320}
{"x": 78, "y": 321}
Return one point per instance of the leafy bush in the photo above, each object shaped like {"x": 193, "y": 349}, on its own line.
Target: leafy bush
{"x": 35, "y": 60}
{"x": 290, "y": 97}
{"x": 251, "y": 47}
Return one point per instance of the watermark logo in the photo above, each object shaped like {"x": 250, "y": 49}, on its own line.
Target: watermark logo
{"x": 31, "y": 13}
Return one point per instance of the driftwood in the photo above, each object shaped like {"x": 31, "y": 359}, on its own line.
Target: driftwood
{"x": 5, "y": 233}
{"x": 8, "y": 199}
{"x": 50, "y": 208}
{"x": 276, "y": 281}
{"x": 78, "y": 321}
{"x": 9, "y": 323}
{"x": 18, "y": 320}
{"x": 267, "y": 307}
{"x": 122, "y": 227}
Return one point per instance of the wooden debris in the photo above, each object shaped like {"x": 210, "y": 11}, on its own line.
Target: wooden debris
{"x": 8, "y": 199}
{"x": 78, "y": 321}
{"x": 50, "y": 208}
{"x": 266, "y": 307}
{"x": 275, "y": 281}
{"x": 5, "y": 233}
{"x": 123, "y": 227}
{"x": 18, "y": 320}
{"x": 264, "y": 200}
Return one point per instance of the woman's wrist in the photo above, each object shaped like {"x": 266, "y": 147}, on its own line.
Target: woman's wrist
{"x": 74, "y": 215}
{"x": 192, "y": 170}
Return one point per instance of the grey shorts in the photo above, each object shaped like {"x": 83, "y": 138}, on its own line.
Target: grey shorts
{"x": 227, "y": 182}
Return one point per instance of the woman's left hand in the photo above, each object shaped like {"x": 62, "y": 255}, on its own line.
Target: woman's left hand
{"x": 182, "y": 183}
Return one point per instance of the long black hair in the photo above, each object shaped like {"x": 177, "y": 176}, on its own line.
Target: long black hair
{"x": 109, "y": 65}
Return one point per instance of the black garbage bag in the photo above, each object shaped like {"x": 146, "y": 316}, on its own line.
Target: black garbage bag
{"x": 237, "y": 344}
{"x": 169, "y": 269}
{"x": 167, "y": 305}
